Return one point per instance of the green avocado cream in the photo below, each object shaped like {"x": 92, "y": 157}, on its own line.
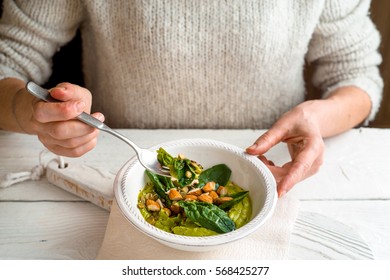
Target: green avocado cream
{"x": 240, "y": 213}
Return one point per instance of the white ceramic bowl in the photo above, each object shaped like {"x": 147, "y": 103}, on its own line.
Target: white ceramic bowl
{"x": 247, "y": 171}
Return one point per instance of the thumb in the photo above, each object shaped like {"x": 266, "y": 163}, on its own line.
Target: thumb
{"x": 266, "y": 141}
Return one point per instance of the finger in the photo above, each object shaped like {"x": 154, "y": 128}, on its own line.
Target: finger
{"x": 266, "y": 161}
{"x": 73, "y": 152}
{"x": 60, "y": 131}
{"x": 70, "y": 143}
{"x": 68, "y": 91}
{"x": 71, "y": 129}
{"x": 299, "y": 170}
{"x": 305, "y": 164}
{"x": 266, "y": 141}
{"x": 75, "y": 100}
{"x": 52, "y": 112}
{"x": 278, "y": 173}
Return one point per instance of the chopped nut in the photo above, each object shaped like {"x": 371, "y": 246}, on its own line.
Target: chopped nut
{"x": 188, "y": 174}
{"x": 150, "y": 196}
{"x": 141, "y": 205}
{"x": 195, "y": 191}
{"x": 151, "y": 220}
{"x": 167, "y": 211}
{"x": 224, "y": 199}
{"x": 190, "y": 197}
{"x": 210, "y": 186}
{"x": 152, "y": 205}
{"x": 181, "y": 156}
{"x": 222, "y": 191}
{"x": 194, "y": 182}
{"x": 195, "y": 164}
{"x": 205, "y": 198}
{"x": 160, "y": 203}
{"x": 175, "y": 208}
{"x": 214, "y": 195}
{"x": 184, "y": 189}
{"x": 174, "y": 195}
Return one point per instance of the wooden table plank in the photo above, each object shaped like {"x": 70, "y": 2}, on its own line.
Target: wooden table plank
{"x": 51, "y": 230}
{"x": 75, "y": 230}
{"x": 368, "y": 218}
{"x": 316, "y": 236}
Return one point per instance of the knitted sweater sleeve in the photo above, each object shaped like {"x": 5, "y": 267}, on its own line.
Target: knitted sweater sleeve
{"x": 30, "y": 34}
{"x": 344, "y": 49}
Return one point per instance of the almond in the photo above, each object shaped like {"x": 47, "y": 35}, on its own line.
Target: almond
{"x": 224, "y": 199}
{"x": 222, "y": 191}
{"x": 214, "y": 195}
{"x": 175, "y": 208}
{"x": 174, "y": 195}
{"x": 195, "y": 191}
{"x": 205, "y": 198}
{"x": 152, "y": 205}
{"x": 210, "y": 186}
{"x": 190, "y": 197}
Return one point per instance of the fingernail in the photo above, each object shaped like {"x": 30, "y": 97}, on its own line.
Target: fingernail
{"x": 80, "y": 106}
{"x": 60, "y": 88}
{"x": 100, "y": 117}
{"x": 282, "y": 193}
{"x": 252, "y": 147}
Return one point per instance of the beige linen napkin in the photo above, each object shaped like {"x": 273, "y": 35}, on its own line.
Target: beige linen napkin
{"x": 123, "y": 241}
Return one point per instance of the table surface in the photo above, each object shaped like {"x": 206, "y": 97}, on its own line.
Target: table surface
{"x": 343, "y": 214}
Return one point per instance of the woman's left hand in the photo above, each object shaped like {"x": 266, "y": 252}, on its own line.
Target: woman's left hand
{"x": 299, "y": 129}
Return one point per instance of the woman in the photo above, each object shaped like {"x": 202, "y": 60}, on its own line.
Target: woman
{"x": 195, "y": 64}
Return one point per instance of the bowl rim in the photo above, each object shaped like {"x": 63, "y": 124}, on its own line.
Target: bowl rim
{"x": 193, "y": 241}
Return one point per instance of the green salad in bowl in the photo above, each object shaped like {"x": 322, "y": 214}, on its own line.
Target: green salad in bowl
{"x": 217, "y": 194}
{"x": 194, "y": 201}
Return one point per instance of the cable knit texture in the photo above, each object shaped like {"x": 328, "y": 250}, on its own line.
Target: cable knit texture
{"x": 196, "y": 64}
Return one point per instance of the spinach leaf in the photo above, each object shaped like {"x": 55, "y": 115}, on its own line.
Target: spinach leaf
{"x": 208, "y": 216}
{"x": 219, "y": 174}
{"x": 237, "y": 197}
{"x": 163, "y": 157}
{"x": 167, "y": 182}
{"x": 183, "y": 169}
{"x": 160, "y": 188}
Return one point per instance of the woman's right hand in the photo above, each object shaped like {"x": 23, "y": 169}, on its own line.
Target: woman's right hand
{"x": 55, "y": 123}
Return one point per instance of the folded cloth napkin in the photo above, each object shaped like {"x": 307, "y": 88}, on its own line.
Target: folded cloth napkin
{"x": 123, "y": 241}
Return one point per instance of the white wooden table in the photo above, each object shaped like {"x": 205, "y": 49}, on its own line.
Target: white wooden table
{"x": 344, "y": 213}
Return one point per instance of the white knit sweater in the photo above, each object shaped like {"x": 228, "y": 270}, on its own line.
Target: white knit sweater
{"x": 196, "y": 64}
